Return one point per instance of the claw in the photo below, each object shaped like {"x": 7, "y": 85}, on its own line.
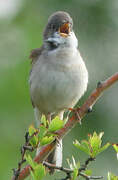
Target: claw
{"x": 78, "y": 117}
{"x": 75, "y": 110}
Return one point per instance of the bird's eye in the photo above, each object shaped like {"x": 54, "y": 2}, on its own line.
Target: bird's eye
{"x": 53, "y": 27}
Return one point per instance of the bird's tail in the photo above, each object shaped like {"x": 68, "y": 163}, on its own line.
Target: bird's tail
{"x": 56, "y": 156}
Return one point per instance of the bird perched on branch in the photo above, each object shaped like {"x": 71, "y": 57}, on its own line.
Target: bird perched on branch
{"x": 58, "y": 76}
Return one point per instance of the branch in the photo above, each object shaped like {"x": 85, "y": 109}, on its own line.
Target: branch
{"x": 69, "y": 171}
{"x": 43, "y": 154}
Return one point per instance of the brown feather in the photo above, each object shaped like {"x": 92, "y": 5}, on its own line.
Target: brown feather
{"x": 35, "y": 53}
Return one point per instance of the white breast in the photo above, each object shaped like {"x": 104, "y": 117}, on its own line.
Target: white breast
{"x": 58, "y": 80}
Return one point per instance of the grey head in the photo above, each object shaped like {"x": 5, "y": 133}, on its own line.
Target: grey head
{"x": 59, "y": 21}
{"x": 58, "y": 32}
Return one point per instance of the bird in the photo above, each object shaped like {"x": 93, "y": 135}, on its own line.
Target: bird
{"x": 58, "y": 77}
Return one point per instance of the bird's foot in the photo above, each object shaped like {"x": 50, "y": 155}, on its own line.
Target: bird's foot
{"x": 75, "y": 110}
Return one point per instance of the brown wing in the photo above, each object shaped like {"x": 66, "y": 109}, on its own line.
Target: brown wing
{"x": 34, "y": 56}
{"x": 35, "y": 53}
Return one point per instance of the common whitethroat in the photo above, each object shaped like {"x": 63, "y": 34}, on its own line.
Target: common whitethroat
{"x": 58, "y": 76}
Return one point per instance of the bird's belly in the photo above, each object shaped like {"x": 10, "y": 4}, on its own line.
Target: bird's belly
{"x": 53, "y": 91}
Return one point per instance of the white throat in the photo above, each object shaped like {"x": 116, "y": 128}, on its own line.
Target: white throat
{"x": 65, "y": 42}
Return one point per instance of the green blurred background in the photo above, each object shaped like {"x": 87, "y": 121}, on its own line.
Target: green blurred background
{"x": 21, "y": 26}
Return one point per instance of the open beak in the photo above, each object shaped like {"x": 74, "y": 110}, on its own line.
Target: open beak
{"x": 64, "y": 30}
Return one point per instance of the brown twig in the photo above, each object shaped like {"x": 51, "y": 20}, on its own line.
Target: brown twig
{"x": 102, "y": 86}
{"x": 24, "y": 148}
{"x": 91, "y": 177}
{"x": 85, "y": 165}
{"x": 70, "y": 171}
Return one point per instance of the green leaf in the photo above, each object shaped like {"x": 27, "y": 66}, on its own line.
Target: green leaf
{"x": 43, "y": 120}
{"x": 103, "y": 148}
{"x": 95, "y": 143}
{"x": 115, "y": 146}
{"x": 92, "y": 147}
{"x": 38, "y": 169}
{"x": 55, "y": 124}
{"x": 42, "y": 132}
{"x": 112, "y": 176}
{"x": 38, "y": 172}
{"x": 34, "y": 140}
{"x": 88, "y": 172}
{"x": 46, "y": 140}
{"x": 73, "y": 165}
{"x": 32, "y": 174}
{"x": 84, "y": 146}
{"x": 70, "y": 164}
{"x": 74, "y": 174}
{"x": 73, "y": 161}
{"x": 30, "y": 161}
{"x": 32, "y": 130}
